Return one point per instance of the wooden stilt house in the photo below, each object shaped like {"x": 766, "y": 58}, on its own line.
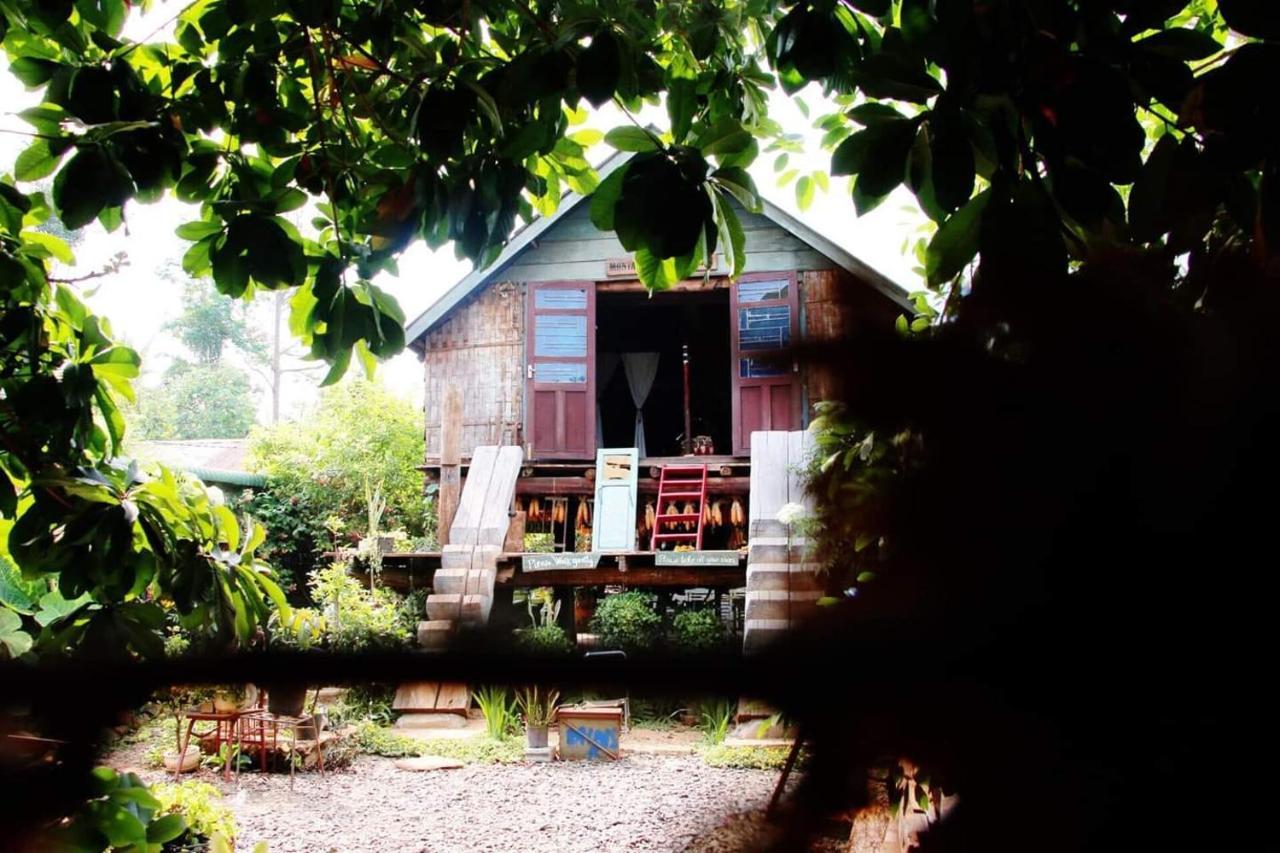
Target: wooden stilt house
{"x": 557, "y": 349}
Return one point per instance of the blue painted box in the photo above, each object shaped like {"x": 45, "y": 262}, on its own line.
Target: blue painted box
{"x": 589, "y": 734}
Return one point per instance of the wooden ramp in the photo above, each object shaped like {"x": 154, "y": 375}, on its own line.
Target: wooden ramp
{"x": 782, "y": 588}
{"x": 462, "y": 592}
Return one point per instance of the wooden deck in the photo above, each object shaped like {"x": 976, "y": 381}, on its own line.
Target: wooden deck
{"x": 414, "y": 570}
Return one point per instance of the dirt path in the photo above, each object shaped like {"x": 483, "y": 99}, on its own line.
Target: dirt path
{"x": 640, "y": 803}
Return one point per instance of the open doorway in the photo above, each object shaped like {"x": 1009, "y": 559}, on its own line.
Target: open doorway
{"x": 634, "y": 323}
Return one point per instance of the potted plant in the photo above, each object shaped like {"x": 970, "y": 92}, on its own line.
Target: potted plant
{"x": 538, "y": 707}
{"x": 229, "y": 698}
{"x": 303, "y": 630}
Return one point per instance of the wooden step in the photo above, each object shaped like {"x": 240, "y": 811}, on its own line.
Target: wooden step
{"x": 444, "y": 606}
{"x": 758, "y": 633}
{"x": 450, "y": 581}
{"x": 435, "y": 633}
{"x": 475, "y": 609}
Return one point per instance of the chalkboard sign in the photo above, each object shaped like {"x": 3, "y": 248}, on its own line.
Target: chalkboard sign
{"x": 547, "y": 562}
{"x": 696, "y": 558}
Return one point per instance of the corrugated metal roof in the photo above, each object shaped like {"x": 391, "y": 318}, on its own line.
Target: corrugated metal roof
{"x": 214, "y": 460}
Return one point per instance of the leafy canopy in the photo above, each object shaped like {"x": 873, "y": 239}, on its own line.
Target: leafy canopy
{"x": 1037, "y": 134}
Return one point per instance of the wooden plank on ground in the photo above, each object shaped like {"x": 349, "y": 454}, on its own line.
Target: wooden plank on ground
{"x": 416, "y": 696}
{"x": 454, "y": 697}
{"x": 466, "y": 523}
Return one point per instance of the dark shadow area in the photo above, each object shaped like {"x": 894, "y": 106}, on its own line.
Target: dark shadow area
{"x": 663, "y": 323}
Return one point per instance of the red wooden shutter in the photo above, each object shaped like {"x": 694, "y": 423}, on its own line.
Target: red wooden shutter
{"x": 561, "y": 375}
{"x": 765, "y": 318}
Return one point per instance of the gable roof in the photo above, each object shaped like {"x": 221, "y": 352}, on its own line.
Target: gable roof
{"x": 526, "y": 235}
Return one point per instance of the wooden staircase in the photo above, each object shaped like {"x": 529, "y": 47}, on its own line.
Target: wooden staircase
{"x": 680, "y": 486}
{"x": 782, "y": 586}
{"x": 462, "y": 592}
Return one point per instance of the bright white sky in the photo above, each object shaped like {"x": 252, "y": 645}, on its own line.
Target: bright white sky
{"x": 138, "y": 301}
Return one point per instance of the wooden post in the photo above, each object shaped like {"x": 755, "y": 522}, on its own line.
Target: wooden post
{"x": 515, "y": 533}
{"x": 450, "y": 460}
{"x": 688, "y": 408}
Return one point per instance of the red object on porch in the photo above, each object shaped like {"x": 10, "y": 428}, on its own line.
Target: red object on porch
{"x": 679, "y": 484}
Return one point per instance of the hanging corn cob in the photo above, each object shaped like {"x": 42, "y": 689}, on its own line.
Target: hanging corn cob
{"x": 706, "y": 514}
{"x": 650, "y": 515}
{"x": 559, "y": 513}
{"x": 689, "y": 509}
{"x": 583, "y": 518}
{"x": 717, "y": 514}
{"x": 535, "y": 510}
{"x": 736, "y": 516}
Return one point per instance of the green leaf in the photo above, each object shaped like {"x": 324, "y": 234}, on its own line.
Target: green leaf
{"x": 54, "y": 607}
{"x": 166, "y": 828}
{"x": 16, "y": 592}
{"x": 37, "y": 161}
{"x": 605, "y": 198}
{"x": 682, "y": 102}
{"x": 740, "y": 185}
{"x": 804, "y": 192}
{"x": 15, "y": 641}
{"x": 198, "y": 230}
{"x": 122, "y": 828}
{"x": 956, "y": 242}
{"x": 654, "y": 272}
{"x": 1184, "y": 44}
{"x": 631, "y": 139}
{"x": 732, "y": 236}
{"x": 726, "y": 136}
{"x": 55, "y": 246}
{"x": 33, "y": 72}
{"x": 90, "y": 182}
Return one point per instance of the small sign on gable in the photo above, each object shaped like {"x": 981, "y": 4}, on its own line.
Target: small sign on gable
{"x": 696, "y": 558}
{"x": 626, "y": 267}
{"x": 547, "y": 562}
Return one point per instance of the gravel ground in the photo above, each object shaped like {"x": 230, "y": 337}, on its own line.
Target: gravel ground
{"x": 640, "y": 803}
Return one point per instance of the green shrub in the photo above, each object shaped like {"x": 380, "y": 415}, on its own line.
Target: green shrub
{"x": 628, "y": 621}
{"x": 378, "y": 740}
{"x": 544, "y": 640}
{"x": 357, "y": 618}
{"x": 746, "y": 757}
{"x": 499, "y": 709}
{"x": 201, "y": 804}
{"x": 698, "y": 630}
{"x": 716, "y": 718}
{"x": 363, "y": 702}
{"x": 296, "y": 535}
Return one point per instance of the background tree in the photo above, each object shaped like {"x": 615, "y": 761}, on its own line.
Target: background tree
{"x": 356, "y": 452}
{"x": 203, "y": 395}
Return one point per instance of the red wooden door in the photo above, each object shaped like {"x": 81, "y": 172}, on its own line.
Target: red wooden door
{"x": 765, "y": 318}
{"x": 560, "y": 372}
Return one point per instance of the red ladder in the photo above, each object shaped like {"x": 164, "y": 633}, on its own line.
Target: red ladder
{"x": 677, "y": 484}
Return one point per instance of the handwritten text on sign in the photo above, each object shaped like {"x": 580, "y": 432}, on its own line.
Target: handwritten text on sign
{"x": 696, "y": 558}
{"x": 545, "y": 562}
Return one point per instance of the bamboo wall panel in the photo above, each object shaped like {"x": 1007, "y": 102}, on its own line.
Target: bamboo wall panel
{"x": 836, "y": 305}
{"x": 480, "y": 347}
